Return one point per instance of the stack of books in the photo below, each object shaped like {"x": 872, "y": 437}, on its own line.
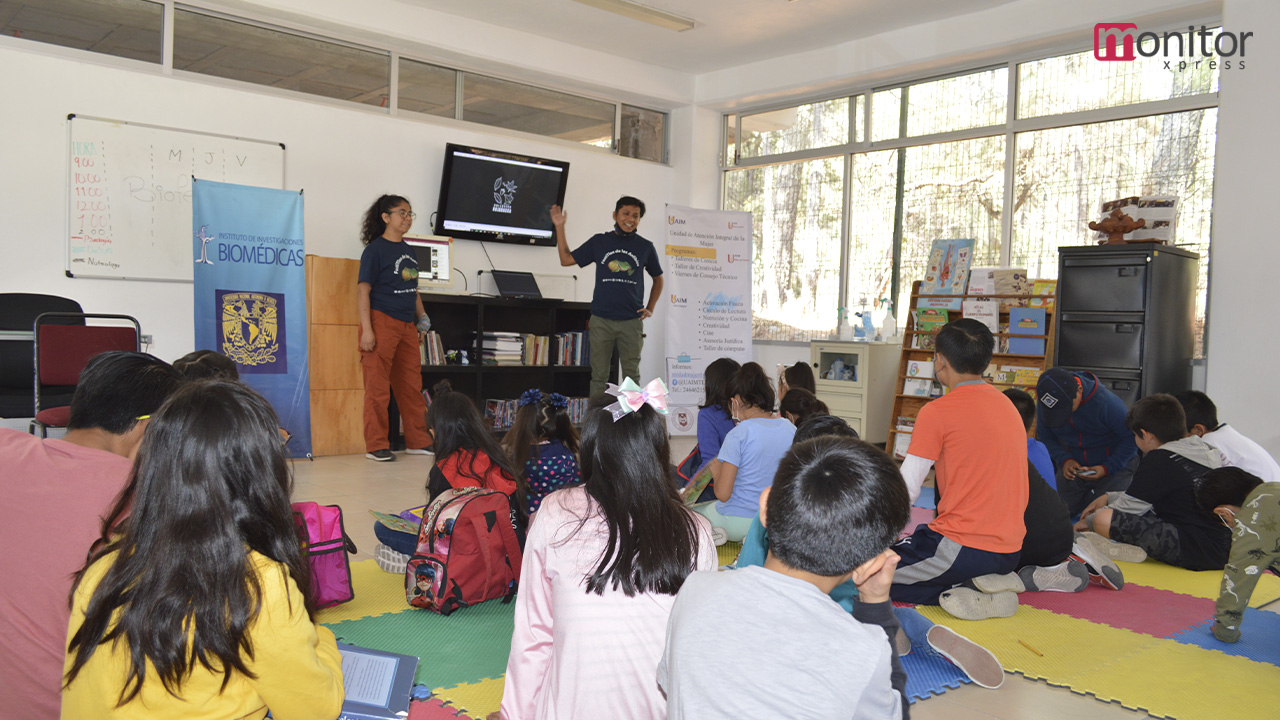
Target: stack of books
{"x": 501, "y": 348}
{"x": 572, "y": 349}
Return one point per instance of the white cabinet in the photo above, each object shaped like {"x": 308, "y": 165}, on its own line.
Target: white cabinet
{"x": 855, "y": 380}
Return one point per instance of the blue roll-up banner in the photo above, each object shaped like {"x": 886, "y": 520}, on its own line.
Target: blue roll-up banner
{"x": 251, "y": 293}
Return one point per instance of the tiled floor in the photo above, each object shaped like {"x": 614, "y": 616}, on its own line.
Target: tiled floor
{"x": 360, "y": 485}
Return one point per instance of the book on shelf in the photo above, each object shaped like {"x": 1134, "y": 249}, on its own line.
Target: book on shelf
{"x": 501, "y": 414}
{"x": 901, "y": 445}
{"x": 431, "y": 351}
{"x": 947, "y": 272}
{"x": 927, "y": 320}
{"x": 917, "y": 387}
{"x": 1001, "y": 281}
{"x": 571, "y": 348}
{"x": 1043, "y": 287}
{"x": 1026, "y": 321}
{"x": 905, "y": 423}
{"x": 378, "y": 684}
{"x": 986, "y": 312}
{"x": 920, "y": 369}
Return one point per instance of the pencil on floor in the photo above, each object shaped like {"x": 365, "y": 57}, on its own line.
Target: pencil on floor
{"x": 1025, "y": 645}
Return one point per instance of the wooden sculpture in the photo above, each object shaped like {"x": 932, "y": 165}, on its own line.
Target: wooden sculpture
{"x": 1115, "y": 226}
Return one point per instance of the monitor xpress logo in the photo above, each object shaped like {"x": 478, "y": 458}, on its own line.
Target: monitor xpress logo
{"x": 1123, "y": 42}
{"x": 504, "y": 193}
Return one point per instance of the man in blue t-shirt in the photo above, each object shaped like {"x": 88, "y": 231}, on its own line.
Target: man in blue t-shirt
{"x": 618, "y": 309}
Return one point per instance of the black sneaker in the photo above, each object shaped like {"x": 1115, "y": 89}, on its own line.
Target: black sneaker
{"x": 383, "y": 455}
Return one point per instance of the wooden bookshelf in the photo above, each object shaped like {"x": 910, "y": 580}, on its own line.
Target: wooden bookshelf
{"x": 908, "y": 406}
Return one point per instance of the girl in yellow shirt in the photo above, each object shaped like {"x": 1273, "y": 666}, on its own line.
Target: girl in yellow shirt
{"x": 196, "y": 603}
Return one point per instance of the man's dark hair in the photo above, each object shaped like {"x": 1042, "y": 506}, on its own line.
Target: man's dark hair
{"x": 1026, "y": 405}
{"x": 1199, "y": 409}
{"x": 821, "y": 424}
{"x": 206, "y": 365}
{"x": 967, "y": 345}
{"x": 835, "y": 504}
{"x": 1160, "y": 415}
{"x": 626, "y": 200}
{"x": 1224, "y": 486}
{"x": 118, "y": 387}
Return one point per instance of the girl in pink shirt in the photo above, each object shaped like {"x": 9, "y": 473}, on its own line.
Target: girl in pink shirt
{"x": 602, "y": 566}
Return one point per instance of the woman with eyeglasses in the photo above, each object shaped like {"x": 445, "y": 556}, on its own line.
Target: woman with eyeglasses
{"x": 392, "y": 321}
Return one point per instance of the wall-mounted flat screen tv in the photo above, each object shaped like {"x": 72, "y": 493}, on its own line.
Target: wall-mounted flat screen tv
{"x": 499, "y": 196}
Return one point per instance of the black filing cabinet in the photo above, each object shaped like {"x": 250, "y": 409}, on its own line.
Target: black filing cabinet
{"x": 1126, "y": 313}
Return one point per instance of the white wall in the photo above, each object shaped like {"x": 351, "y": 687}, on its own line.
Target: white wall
{"x": 343, "y": 156}
{"x": 1243, "y": 344}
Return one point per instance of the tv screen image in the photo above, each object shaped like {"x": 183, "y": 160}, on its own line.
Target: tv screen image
{"x": 503, "y": 197}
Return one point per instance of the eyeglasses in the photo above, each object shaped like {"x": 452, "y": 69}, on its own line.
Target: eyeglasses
{"x": 405, "y": 213}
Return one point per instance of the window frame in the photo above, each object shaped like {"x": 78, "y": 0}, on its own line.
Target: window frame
{"x": 1010, "y": 128}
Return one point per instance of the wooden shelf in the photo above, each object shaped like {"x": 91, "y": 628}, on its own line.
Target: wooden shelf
{"x": 909, "y": 405}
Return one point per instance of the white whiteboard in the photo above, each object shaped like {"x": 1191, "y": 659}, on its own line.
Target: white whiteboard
{"x": 129, "y": 193}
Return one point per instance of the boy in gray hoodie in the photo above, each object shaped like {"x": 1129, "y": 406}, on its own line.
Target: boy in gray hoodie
{"x": 1159, "y": 512}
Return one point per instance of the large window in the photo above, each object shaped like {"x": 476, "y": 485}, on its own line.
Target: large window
{"x": 957, "y": 157}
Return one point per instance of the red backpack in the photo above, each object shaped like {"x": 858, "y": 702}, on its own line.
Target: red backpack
{"x": 467, "y": 552}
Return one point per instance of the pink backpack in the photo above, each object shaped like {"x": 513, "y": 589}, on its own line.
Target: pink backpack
{"x": 326, "y": 543}
{"x": 467, "y": 552}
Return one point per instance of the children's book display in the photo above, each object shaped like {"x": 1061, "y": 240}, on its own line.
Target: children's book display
{"x": 1021, "y": 320}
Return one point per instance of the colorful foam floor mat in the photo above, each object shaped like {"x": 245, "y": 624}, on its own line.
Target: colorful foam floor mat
{"x": 1147, "y": 647}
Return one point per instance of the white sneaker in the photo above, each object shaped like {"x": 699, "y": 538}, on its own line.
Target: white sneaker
{"x": 419, "y": 451}
{"x": 390, "y": 560}
{"x": 719, "y": 536}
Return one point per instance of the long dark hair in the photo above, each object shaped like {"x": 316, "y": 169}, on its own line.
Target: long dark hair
{"x": 715, "y": 383}
{"x": 457, "y": 425}
{"x": 210, "y": 484}
{"x": 373, "y": 226}
{"x": 752, "y": 385}
{"x": 538, "y": 420}
{"x": 802, "y": 404}
{"x": 800, "y": 375}
{"x": 626, "y": 469}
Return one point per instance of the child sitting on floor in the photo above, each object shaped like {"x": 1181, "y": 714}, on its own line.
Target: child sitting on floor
{"x": 1158, "y": 512}
{"x": 1236, "y": 449}
{"x": 602, "y": 565}
{"x": 196, "y": 601}
{"x": 749, "y": 456}
{"x": 543, "y": 445}
{"x": 467, "y": 455}
{"x": 1250, "y": 507}
{"x": 976, "y": 438}
{"x": 918, "y": 633}
{"x": 833, "y": 509}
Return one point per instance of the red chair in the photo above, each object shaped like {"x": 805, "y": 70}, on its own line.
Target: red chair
{"x": 62, "y": 351}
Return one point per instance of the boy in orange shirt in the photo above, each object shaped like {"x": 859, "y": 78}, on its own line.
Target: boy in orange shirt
{"x": 975, "y": 437}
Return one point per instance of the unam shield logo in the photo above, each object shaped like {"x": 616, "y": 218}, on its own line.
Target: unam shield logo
{"x": 251, "y": 325}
